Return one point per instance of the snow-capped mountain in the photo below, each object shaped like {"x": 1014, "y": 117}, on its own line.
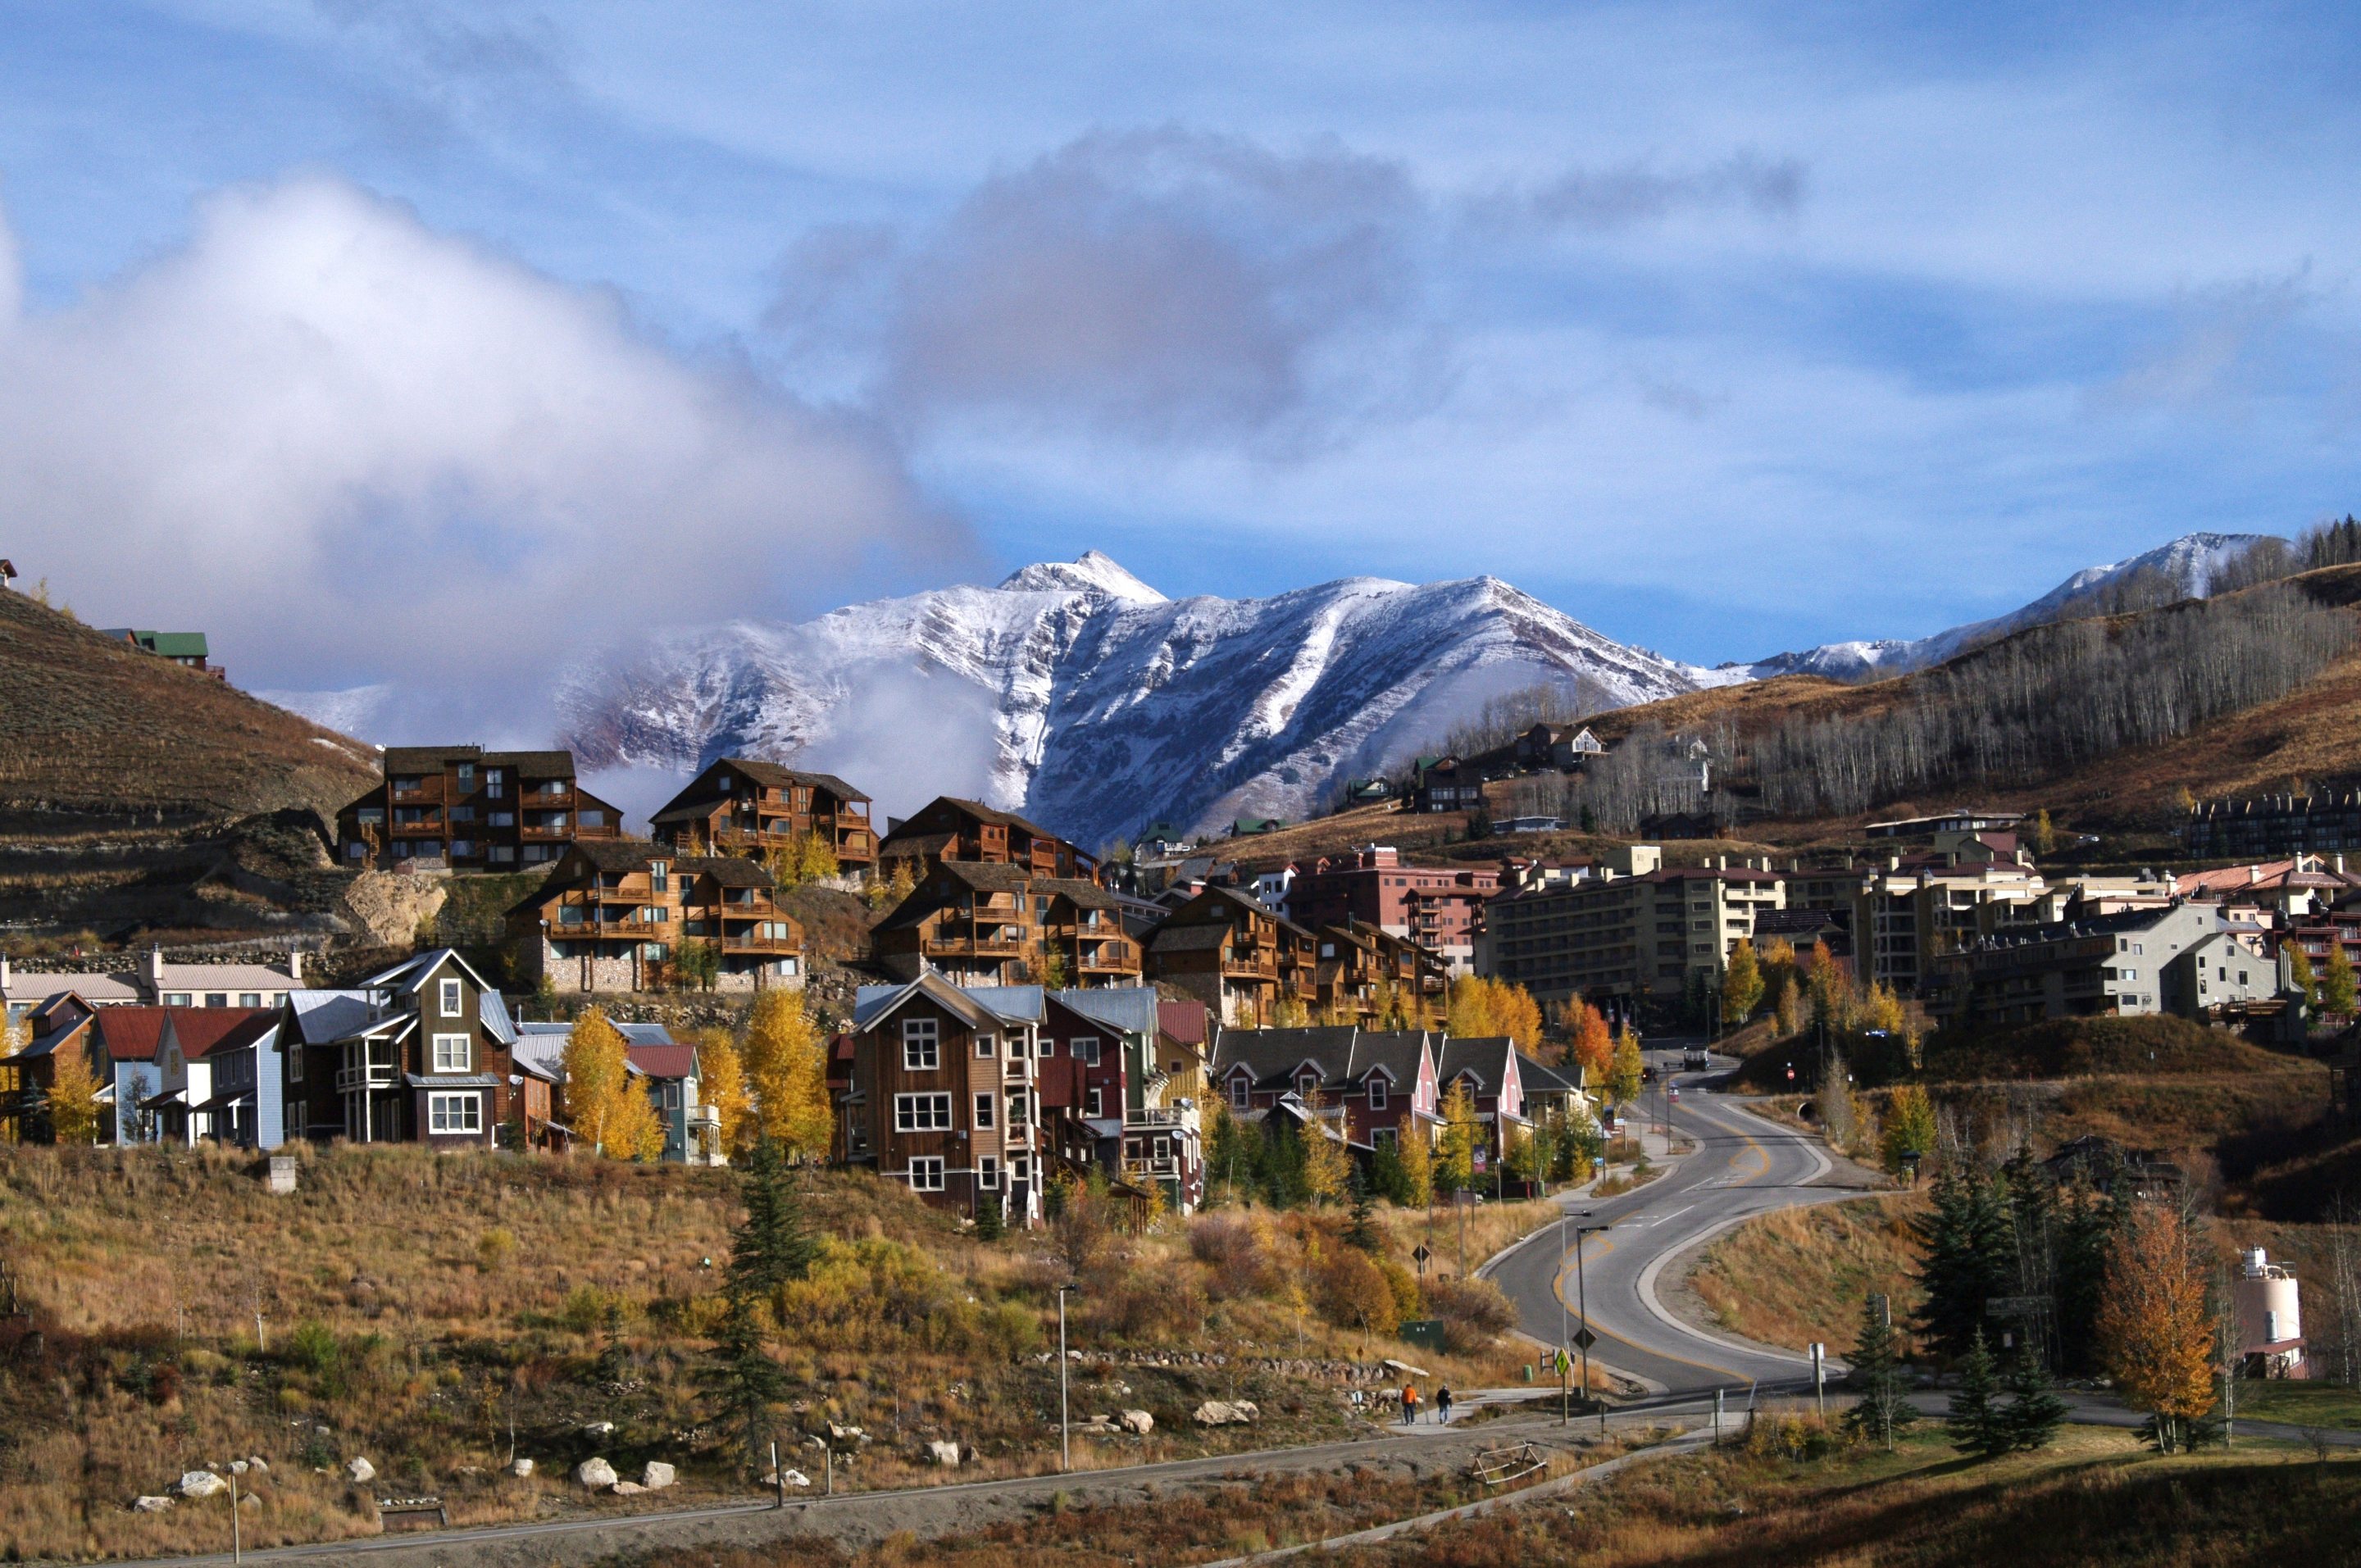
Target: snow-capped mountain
{"x": 2190, "y": 564}
{"x": 1078, "y": 694}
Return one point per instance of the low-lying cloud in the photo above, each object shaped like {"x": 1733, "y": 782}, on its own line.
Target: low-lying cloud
{"x": 353, "y": 449}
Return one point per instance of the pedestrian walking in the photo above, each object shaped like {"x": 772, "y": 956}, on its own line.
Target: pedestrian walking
{"x": 1410, "y": 1404}
{"x": 1443, "y": 1404}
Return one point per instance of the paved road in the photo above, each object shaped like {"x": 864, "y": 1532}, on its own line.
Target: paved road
{"x": 1742, "y": 1165}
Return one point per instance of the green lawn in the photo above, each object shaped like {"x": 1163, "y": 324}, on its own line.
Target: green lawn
{"x": 2300, "y": 1404}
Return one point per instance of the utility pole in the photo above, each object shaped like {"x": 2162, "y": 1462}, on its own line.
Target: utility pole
{"x": 1819, "y": 1377}
{"x": 237, "y": 1533}
{"x": 1582, "y": 1295}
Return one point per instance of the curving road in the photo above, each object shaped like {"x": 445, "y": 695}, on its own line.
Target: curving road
{"x": 1742, "y": 1165}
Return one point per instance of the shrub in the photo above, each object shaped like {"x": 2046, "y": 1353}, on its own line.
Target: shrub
{"x": 1352, "y": 1293}
{"x": 1475, "y": 1313}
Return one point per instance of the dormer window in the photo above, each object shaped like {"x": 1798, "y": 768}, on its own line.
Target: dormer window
{"x": 1306, "y": 1082}
{"x": 1377, "y": 1094}
{"x": 1239, "y": 1086}
{"x": 450, "y": 999}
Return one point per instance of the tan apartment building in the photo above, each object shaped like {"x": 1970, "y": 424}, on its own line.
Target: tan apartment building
{"x": 1643, "y": 933}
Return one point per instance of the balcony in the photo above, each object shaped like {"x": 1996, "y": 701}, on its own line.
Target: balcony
{"x": 379, "y": 1072}
{"x": 1251, "y": 969}
{"x": 785, "y": 945}
{"x": 972, "y": 947}
{"x": 539, "y": 834}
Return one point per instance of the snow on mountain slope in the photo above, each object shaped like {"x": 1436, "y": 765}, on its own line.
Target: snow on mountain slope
{"x": 2190, "y": 563}
{"x": 1080, "y": 696}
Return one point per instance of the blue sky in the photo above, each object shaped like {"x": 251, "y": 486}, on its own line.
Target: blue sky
{"x": 1728, "y": 329}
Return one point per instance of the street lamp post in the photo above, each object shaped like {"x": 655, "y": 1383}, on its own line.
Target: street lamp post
{"x": 1065, "y": 1429}
{"x": 1582, "y": 1296}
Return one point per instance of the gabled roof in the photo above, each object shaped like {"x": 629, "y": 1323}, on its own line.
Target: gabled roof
{"x": 1130, "y": 1008}
{"x": 411, "y": 972}
{"x": 89, "y": 987}
{"x": 1273, "y": 1055}
{"x": 431, "y": 758}
{"x": 1540, "y": 1077}
{"x": 983, "y": 1006}
{"x": 1484, "y": 1056}
{"x": 199, "y": 1031}
{"x": 225, "y": 977}
{"x": 1186, "y": 1022}
{"x": 773, "y": 776}
{"x": 130, "y": 1034}
{"x": 321, "y": 1016}
{"x": 1171, "y": 938}
{"x": 1399, "y": 1051}
{"x": 668, "y": 1060}
{"x": 1081, "y": 894}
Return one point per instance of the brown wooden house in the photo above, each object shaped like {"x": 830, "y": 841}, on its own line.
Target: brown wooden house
{"x": 1367, "y": 976}
{"x": 949, "y": 829}
{"x": 986, "y": 924}
{"x": 620, "y": 918}
{"x": 941, "y": 1093}
{"x": 418, "y": 1054}
{"x": 472, "y": 810}
{"x": 742, "y": 807}
{"x": 1248, "y": 962}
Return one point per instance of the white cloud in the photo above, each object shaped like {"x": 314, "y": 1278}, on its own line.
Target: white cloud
{"x": 354, "y": 449}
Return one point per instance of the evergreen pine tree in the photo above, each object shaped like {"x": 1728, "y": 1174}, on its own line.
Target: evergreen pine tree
{"x": 1885, "y": 1404}
{"x": 1966, "y": 1254}
{"x": 1361, "y": 1230}
{"x": 2035, "y": 1412}
{"x": 1975, "y": 1425}
{"x": 991, "y": 1223}
{"x": 2086, "y": 1236}
{"x": 771, "y": 1247}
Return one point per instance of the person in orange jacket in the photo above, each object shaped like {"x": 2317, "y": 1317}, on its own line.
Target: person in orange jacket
{"x": 1410, "y": 1404}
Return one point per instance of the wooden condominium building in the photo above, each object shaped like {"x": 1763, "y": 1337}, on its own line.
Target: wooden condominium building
{"x": 617, "y": 917}
{"x": 741, "y": 806}
{"x": 1367, "y": 975}
{"x": 1249, "y": 964}
{"x": 982, "y": 923}
{"x": 948, "y": 829}
{"x": 418, "y": 1054}
{"x": 472, "y": 810}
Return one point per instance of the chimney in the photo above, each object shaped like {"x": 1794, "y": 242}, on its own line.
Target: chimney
{"x": 2340, "y": 865}
{"x": 3, "y": 981}
{"x": 2254, "y": 874}
{"x": 155, "y": 971}
{"x": 295, "y": 965}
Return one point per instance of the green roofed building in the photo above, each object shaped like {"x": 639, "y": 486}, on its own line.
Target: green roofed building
{"x": 184, "y": 648}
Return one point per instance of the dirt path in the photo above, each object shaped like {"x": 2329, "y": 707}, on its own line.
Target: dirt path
{"x": 856, "y": 1519}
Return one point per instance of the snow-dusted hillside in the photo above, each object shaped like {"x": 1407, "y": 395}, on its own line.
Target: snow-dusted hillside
{"x": 1078, "y": 694}
{"x": 2190, "y": 563}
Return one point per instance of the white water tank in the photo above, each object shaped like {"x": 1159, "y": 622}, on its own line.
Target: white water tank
{"x": 2269, "y": 1310}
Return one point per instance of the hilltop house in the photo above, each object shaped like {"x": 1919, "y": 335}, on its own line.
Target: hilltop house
{"x": 186, "y": 649}
{"x": 420, "y": 1053}
{"x": 741, "y": 806}
{"x": 472, "y": 810}
{"x": 941, "y": 1092}
{"x": 617, "y": 917}
{"x": 154, "y": 984}
{"x": 949, "y": 829}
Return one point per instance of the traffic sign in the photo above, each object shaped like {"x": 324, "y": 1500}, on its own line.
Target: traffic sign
{"x": 1419, "y": 1254}
{"x": 1583, "y": 1339}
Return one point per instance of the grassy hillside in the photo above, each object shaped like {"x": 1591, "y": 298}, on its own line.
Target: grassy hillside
{"x": 413, "y": 1306}
{"x": 2312, "y": 733}
{"x": 92, "y": 726}
{"x": 1799, "y": 1275}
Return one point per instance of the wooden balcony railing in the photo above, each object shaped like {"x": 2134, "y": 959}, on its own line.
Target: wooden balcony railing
{"x": 967, "y": 947}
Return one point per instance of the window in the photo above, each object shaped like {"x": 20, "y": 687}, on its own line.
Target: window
{"x": 450, "y": 998}
{"x": 922, "y": 1112}
{"x": 659, "y": 877}
{"x": 492, "y": 785}
{"x": 295, "y": 1064}
{"x": 1016, "y": 1109}
{"x": 1019, "y": 1045}
{"x": 1239, "y": 1087}
{"x": 1020, "y": 1167}
{"x": 927, "y": 1174}
{"x": 1094, "y": 1101}
{"x": 249, "y": 999}
{"x": 1085, "y": 1049}
{"x": 452, "y": 1054}
{"x": 987, "y": 1173}
{"x": 467, "y": 775}
{"x": 176, "y": 999}
{"x": 984, "y": 1046}
{"x": 217, "y": 998}
{"x": 1377, "y": 1094}
{"x": 1306, "y": 1082}
{"x": 454, "y": 1112}
{"x": 921, "y": 1046}
{"x": 984, "y": 1112}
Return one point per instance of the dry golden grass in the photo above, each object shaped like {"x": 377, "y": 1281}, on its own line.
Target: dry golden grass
{"x": 412, "y": 1304}
{"x": 1797, "y": 1275}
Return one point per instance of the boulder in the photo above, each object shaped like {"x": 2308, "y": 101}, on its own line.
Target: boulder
{"x": 150, "y": 1505}
{"x": 249, "y": 1501}
{"x": 627, "y": 1488}
{"x": 238, "y": 1466}
{"x": 1225, "y": 1413}
{"x": 657, "y": 1475}
{"x": 254, "y": 1462}
{"x": 945, "y": 1454}
{"x": 599, "y": 1429}
{"x": 358, "y": 1470}
{"x": 520, "y": 1469}
{"x": 199, "y": 1485}
{"x": 1138, "y": 1421}
{"x": 595, "y": 1474}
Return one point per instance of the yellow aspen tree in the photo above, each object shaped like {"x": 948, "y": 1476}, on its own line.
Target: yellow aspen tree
{"x": 1623, "y": 1076}
{"x": 1741, "y": 985}
{"x": 634, "y": 1130}
{"x": 597, "y": 1077}
{"x": 1418, "y": 1165}
{"x": 1326, "y": 1165}
{"x": 787, "y": 1069}
{"x": 2153, "y": 1331}
{"x": 721, "y": 1083}
{"x": 73, "y": 1098}
{"x": 1455, "y": 1169}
